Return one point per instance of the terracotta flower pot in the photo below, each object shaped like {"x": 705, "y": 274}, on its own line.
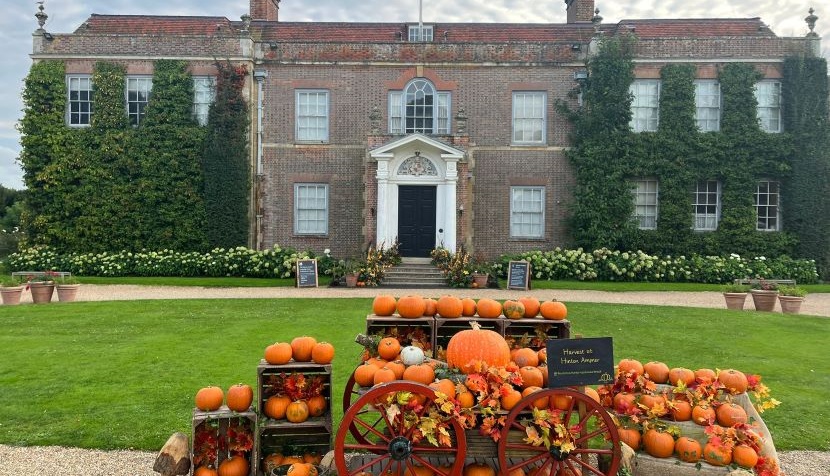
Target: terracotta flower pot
{"x": 67, "y": 292}
{"x": 735, "y": 301}
{"x": 764, "y": 300}
{"x": 480, "y": 280}
{"x": 790, "y": 304}
{"x": 351, "y": 280}
{"x": 11, "y": 295}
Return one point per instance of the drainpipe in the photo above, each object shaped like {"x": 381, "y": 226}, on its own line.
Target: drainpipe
{"x": 260, "y": 78}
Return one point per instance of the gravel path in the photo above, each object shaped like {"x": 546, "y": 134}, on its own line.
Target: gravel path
{"x": 16, "y": 461}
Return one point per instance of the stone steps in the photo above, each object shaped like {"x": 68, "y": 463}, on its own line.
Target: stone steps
{"x": 414, "y": 273}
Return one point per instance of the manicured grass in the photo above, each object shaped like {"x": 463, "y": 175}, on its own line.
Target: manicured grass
{"x": 123, "y": 374}
{"x": 200, "y": 281}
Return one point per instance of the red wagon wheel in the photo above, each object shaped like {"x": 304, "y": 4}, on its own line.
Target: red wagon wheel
{"x": 391, "y": 436}
{"x": 351, "y": 394}
{"x": 592, "y": 447}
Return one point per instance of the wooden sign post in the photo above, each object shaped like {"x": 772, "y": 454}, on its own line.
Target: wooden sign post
{"x": 575, "y": 362}
{"x": 518, "y": 275}
{"x": 307, "y": 273}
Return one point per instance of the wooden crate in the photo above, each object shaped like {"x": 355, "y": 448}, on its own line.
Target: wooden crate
{"x": 212, "y": 429}
{"x": 535, "y": 331}
{"x": 446, "y": 328}
{"x": 420, "y": 329}
{"x": 268, "y": 375}
{"x": 290, "y": 439}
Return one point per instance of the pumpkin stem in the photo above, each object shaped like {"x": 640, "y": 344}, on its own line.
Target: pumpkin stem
{"x": 475, "y": 325}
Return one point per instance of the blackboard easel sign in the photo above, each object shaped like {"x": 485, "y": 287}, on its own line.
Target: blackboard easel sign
{"x": 518, "y": 275}
{"x": 307, "y": 273}
{"x": 574, "y": 362}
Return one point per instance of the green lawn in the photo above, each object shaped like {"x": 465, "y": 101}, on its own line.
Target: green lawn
{"x": 123, "y": 374}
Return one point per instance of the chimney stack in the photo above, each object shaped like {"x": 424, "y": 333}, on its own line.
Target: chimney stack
{"x": 267, "y": 10}
{"x": 580, "y": 11}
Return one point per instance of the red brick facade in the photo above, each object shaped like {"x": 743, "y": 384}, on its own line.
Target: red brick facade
{"x": 480, "y": 65}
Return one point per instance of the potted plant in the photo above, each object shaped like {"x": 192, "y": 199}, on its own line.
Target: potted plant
{"x": 351, "y": 271}
{"x": 42, "y": 287}
{"x": 791, "y": 298}
{"x": 11, "y": 288}
{"x": 67, "y": 288}
{"x": 480, "y": 271}
{"x": 764, "y": 294}
{"x": 735, "y": 295}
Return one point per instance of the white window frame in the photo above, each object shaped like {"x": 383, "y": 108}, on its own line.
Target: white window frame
{"x": 645, "y": 105}
{"x": 312, "y": 120}
{"x": 527, "y": 212}
{"x": 80, "y": 108}
{"x": 315, "y": 213}
{"x": 646, "y": 193}
{"x": 706, "y": 205}
{"x": 707, "y": 105}
{"x": 768, "y": 95}
{"x": 529, "y": 117}
{"x": 767, "y": 200}
{"x": 420, "y": 33}
{"x": 399, "y": 111}
{"x": 204, "y": 93}
{"x": 137, "y": 106}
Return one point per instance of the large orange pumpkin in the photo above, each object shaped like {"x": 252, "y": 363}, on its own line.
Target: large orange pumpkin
{"x": 658, "y": 444}
{"x": 389, "y": 348}
{"x": 553, "y": 310}
{"x": 450, "y": 307}
{"x": 744, "y": 456}
{"x": 531, "y": 376}
{"x": 278, "y": 353}
{"x": 469, "y": 307}
{"x": 734, "y": 380}
{"x": 488, "y": 308}
{"x": 717, "y": 455}
{"x": 384, "y": 375}
{"x": 531, "y": 305}
{"x": 631, "y": 437}
{"x": 681, "y": 374}
{"x": 513, "y": 309}
{"x": 364, "y": 375}
{"x": 384, "y": 305}
{"x": 688, "y": 449}
{"x": 239, "y": 397}
{"x": 624, "y": 401}
{"x": 730, "y": 414}
{"x": 322, "y": 353}
{"x": 430, "y": 307}
{"x": 630, "y": 365}
{"x": 658, "y": 372}
{"x": 421, "y": 373}
{"x": 510, "y": 398}
{"x": 469, "y": 348}
{"x": 680, "y": 410}
{"x": 234, "y": 466}
{"x": 209, "y": 398}
{"x": 703, "y": 414}
{"x": 301, "y": 347}
{"x": 317, "y": 405}
{"x": 397, "y": 367}
{"x": 525, "y": 356}
{"x": 297, "y": 411}
{"x": 276, "y": 405}
{"x": 705, "y": 375}
{"x": 445, "y": 386}
{"x": 411, "y": 306}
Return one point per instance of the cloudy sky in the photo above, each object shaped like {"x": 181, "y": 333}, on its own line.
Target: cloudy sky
{"x": 786, "y": 18}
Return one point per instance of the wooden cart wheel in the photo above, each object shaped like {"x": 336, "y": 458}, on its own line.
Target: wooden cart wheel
{"x": 393, "y": 448}
{"x": 595, "y": 439}
{"x": 351, "y": 394}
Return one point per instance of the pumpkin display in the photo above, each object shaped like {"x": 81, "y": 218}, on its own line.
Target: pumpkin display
{"x": 297, "y": 411}
{"x": 513, "y": 309}
{"x": 717, "y": 455}
{"x": 731, "y": 414}
{"x": 631, "y": 437}
{"x": 276, "y": 406}
{"x": 234, "y": 466}
{"x": 681, "y": 374}
{"x": 317, "y": 405}
{"x": 744, "y": 456}
{"x": 384, "y": 305}
{"x": 658, "y": 443}
{"x": 531, "y": 376}
{"x": 553, "y": 310}
{"x": 703, "y": 414}
{"x": 478, "y": 469}
{"x": 688, "y": 449}
{"x": 411, "y": 355}
{"x": 278, "y": 353}
{"x": 468, "y": 307}
{"x": 411, "y": 306}
{"x": 630, "y": 365}
{"x": 205, "y": 471}
{"x": 389, "y": 348}
{"x": 209, "y": 399}
{"x": 301, "y": 348}
{"x": 302, "y": 469}
{"x": 421, "y": 373}
{"x": 733, "y": 380}
{"x": 239, "y": 397}
{"x": 658, "y": 372}
{"x": 488, "y": 308}
{"x": 450, "y": 307}
{"x": 384, "y": 375}
{"x": 322, "y": 353}
{"x": 469, "y": 348}
{"x": 525, "y": 356}
{"x": 430, "y": 307}
{"x": 531, "y": 305}
{"x": 364, "y": 375}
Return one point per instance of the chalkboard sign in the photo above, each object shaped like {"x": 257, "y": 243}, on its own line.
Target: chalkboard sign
{"x": 518, "y": 275}
{"x": 307, "y": 273}
{"x": 580, "y": 361}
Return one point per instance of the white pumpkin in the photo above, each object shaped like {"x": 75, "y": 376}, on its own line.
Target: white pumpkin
{"x": 411, "y": 355}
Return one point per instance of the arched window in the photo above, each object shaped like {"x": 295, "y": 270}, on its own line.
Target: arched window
{"x": 419, "y": 108}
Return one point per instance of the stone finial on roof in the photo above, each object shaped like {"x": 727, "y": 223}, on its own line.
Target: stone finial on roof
{"x": 246, "y": 22}
{"x": 596, "y": 20}
{"x": 811, "y": 22}
{"x": 41, "y": 16}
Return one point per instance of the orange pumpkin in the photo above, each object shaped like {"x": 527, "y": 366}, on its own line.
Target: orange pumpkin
{"x": 411, "y": 306}
{"x": 209, "y": 398}
{"x": 553, "y": 310}
{"x": 278, "y": 353}
{"x": 364, "y": 375}
{"x": 681, "y": 374}
{"x": 525, "y": 356}
{"x": 543, "y": 356}
{"x": 624, "y": 401}
{"x": 468, "y": 307}
{"x": 397, "y": 367}
{"x": 430, "y": 307}
{"x": 705, "y": 375}
{"x": 384, "y": 305}
{"x": 302, "y": 469}
{"x": 631, "y": 437}
{"x": 234, "y": 466}
{"x": 466, "y": 399}
{"x": 322, "y": 353}
{"x": 488, "y": 308}
{"x": 688, "y": 449}
{"x": 703, "y": 414}
{"x": 531, "y": 376}
{"x": 658, "y": 444}
{"x": 450, "y": 307}
{"x": 389, "y": 348}
{"x": 531, "y": 305}
{"x": 469, "y": 348}
{"x": 270, "y": 462}
{"x": 239, "y": 397}
{"x": 542, "y": 402}
{"x": 384, "y": 375}
{"x": 317, "y": 405}
{"x": 478, "y": 469}
{"x": 276, "y": 405}
{"x": 717, "y": 455}
{"x": 544, "y": 370}
{"x": 297, "y": 411}
{"x": 734, "y": 380}
{"x": 510, "y": 398}
{"x": 445, "y": 386}
{"x": 651, "y": 401}
{"x": 205, "y": 471}
{"x": 744, "y": 456}
{"x": 658, "y": 372}
{"x": 562, "y": 402}
{"x": 630, "y": 365}
{"x": 513, "y": 309}
{"x": 730, "y": 414}
{"x": 421, "y": 373}
{"x": 301, "y": 347}
{"x": 680, "y": 410}
{"x": 516, "y": 472}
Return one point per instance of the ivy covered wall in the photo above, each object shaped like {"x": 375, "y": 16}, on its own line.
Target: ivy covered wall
{"x": 608, "y": 156}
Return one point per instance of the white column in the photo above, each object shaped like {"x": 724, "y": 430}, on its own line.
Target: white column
{"x": 382, "y": 213}
{"x": 451, "y": 205}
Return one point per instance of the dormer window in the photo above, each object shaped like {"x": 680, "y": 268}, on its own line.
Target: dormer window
{"x": 420, "y": 33}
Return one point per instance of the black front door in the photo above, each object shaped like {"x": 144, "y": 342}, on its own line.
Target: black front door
{"x": 416, "y": 220}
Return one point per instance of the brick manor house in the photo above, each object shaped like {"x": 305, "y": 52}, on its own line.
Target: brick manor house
{"x": 436, "y": 134}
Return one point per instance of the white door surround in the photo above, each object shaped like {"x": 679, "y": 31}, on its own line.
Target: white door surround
{"x": 417, "y": 159}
